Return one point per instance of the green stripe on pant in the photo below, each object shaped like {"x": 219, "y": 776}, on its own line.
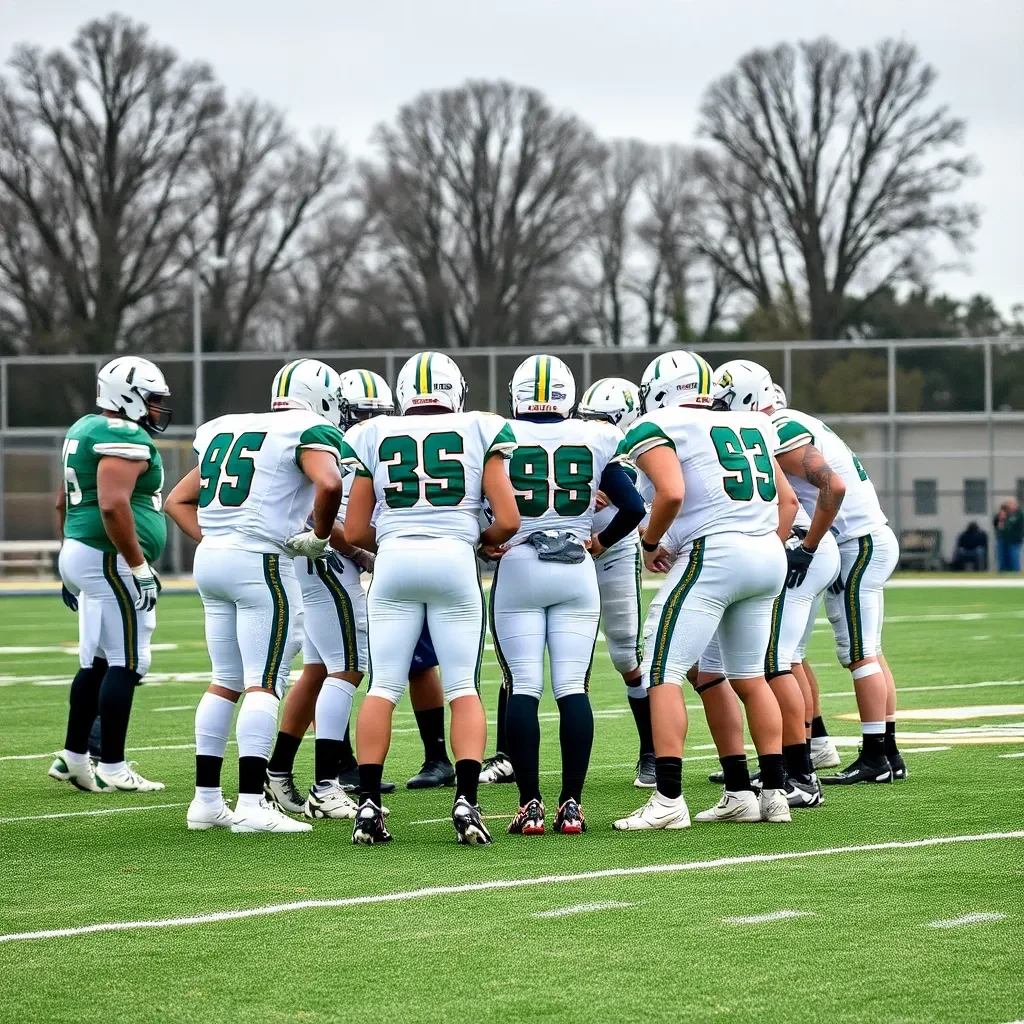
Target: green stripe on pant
{"x": 346, "y": 613}
{"x": 670, "y": 612}
{"x": 639, "y": 565}
{"x": 126, "y": 606}
{"x": 851, "y": 598}
{"x": 278, "y": 625}
{"x": 771, "y": 658}
{"x": 506, "y": 675}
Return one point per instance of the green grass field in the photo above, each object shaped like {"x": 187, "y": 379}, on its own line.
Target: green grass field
{"x": 424, "y": 930}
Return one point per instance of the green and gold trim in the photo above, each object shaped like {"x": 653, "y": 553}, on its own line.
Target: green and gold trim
{"x": 424, "y": 376}
{"x": 542, "y": 379}
{"x": 703, "y": 375}
{"x": 670, "y": 612}
{"x": 278, "y": 639}
{"x": 346, "y": 613}
{"x": 506, "y": 675}
{"x": 851, "y": 598}
{"x": 638, "y": 576}
{"x": 284, "y": 377}
{"x": 126, "y": 606}
{"x": 771, "y": 657}
{"x": 483, "y": 628}
{"x": 369, "y": 385}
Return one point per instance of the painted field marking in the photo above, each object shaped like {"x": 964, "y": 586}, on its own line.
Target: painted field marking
{"x": 89, "y": 814}
{"x": 496, "y": 884}
{"x": 128, "y": 750}
{"x": 582, "y": 908}
{"x": 775, "y": 915}
{"x": 959, "y": 922}
{"x": 926, "y": 689}
{"x": 70, "y": 649}
{"x": 178, "y": 707}
{"x": 1010, "y": 755}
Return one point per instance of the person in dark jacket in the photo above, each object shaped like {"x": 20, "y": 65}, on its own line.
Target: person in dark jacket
{"x": 971, "y": 550}
{"x": 1009, "y": 524}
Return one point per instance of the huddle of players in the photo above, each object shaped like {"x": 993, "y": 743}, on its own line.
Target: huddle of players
{"x": 406, "y": 495}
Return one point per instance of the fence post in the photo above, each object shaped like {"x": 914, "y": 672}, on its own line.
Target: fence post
{"x": 990, "y": 428}
{"x": 787, "y": 372}
{"x": 492, "y": 382}
{"x": 892, "y": 435}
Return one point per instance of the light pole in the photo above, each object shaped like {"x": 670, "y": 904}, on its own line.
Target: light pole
{"x": 210, "y": 263}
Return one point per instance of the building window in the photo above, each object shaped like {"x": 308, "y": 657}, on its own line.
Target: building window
{"x": 926, "y": 498}
{"x": 975, "y": 497}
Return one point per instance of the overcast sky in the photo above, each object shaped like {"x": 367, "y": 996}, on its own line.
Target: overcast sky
{"x": 628, "y": 67}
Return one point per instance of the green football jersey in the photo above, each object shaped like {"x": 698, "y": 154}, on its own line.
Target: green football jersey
{"x": 90, "y": 439}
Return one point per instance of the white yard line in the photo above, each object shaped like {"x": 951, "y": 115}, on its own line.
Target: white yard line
{"x": 178, "y": 707}
{"x": 940, "y": 583}
{"x": 927, "y": 689}
{"x": 496, "y": 884}
{"x": 775, "y": 915}
{"x": 90, "y": 814}
{"x": 582, "y": 908}
{"x": 959, "y": 922}
{"x": 1010, "y": 755}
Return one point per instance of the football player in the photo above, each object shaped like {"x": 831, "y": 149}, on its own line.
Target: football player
{"x": 544, "y": 596}
{"x": 718, "y": 500}
{"x": 247, "y": 503}
{"x": 110, "y": 516}
{"x": 430, "y": 468}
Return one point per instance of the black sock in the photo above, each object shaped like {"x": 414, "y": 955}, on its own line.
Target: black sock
{"x": 523, "y": 742}
{"x": 890, "y": 739}
{"x": 576, "y": 738}
{"x": 431, "y": 726}
{"x": 96, "y": 739}
{"x": 326, "y": 759}
{"x": 797, "y": 760}
{"x": 737, "y": 774}
{"x": 502, "y": 740}
{"x": 84, "y": 702}
{"x": 467, "y": 778}
{"x": 773, "y": 771}
{"x": 117, "y": 691}
{"x": 641, "y": 708}
{"x": 369, "y": 782}
{"x": 818, "y": 727}
{"x": 668, "y": 775}
{"x": 282, "y": 760}
{"x": 252, "y": 773}
{"x": 208, "y": 771}
{"x": 873, "y": 745}
{"x": 346, "y": 756}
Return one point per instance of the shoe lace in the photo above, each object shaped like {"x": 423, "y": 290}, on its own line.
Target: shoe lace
{"x": 491, "y": 761}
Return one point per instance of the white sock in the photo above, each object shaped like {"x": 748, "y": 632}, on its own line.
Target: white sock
{"x": 212, "y": 796}
{"x": 74, "y": 760}
{"x": 213, "y": 724}
{"x": 872, "y": 728}
{"x": 257, "y": 724}
{"x": 112, "y": 769}
{"x": 333, "y": 707}
{"x": 248, "y": 800}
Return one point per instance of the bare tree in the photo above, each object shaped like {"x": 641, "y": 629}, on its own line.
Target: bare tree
{"x": 97, "y": 150}
{"x": 843, "y": 161}
{"x": 481, "y": 193}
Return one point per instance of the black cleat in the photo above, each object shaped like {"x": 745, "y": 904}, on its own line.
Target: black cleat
{"x": 804, "y": 791}
{"x": 718, "y": 778}
{"x": 529, "y": 820}
{"x": 862, "y": 770}
{"x": 899, "y": 766}
{"x": 469, "y": 826}
{"x": 569, "y": 820}
{"x": 645, "y": 772}
{"x": 433, "y": 775}
{"x": 497, "y": 768}
{"x": 369, "y": 827}
{"x": 349, "y": 780}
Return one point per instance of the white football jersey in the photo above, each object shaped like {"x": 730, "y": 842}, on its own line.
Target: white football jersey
{"x": 729, "y": 477}
{"x": 427, "y": 470}
{"x": 555, "y": 472}
{"x": 860, "y": 512}
{"x": 252, "y": 493}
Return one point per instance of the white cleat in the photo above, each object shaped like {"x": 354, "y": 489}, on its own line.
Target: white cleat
{"x": 281, "y": 791}
{"x": 329, "y": 800}
{"x": 497, "y": 768}
{"x": 263, "y": 817}
{"x": 81, "y": 774}
{"x": 126, "y": 779}
{"x": 824, "y": 753}
{"x": 774, "y": 805}
{"x": 657, "y": 813}
{"x": 202, "y": 815}
{"x": 739, "y": 805}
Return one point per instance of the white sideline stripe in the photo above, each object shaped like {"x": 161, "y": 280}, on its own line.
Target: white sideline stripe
{"x": 959, "y": 922}
{"x": 89, "y": 814}
{"x": 178, "y": 707}
{"x": 516, "y": 883}
{"x": 775, "y": 915}
{"x": 926, "y": 689}
{"x": 582, "y": 908}
{"x": 1010, "y": 755}
{"x": 942, "y": 583}
{"x": 128, "y": 750}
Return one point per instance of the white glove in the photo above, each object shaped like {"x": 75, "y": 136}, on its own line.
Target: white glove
{"x": 148, "y": 586}
{"x": 308, "y": 544}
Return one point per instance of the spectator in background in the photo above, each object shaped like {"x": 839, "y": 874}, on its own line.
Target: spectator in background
{"x": 1009, "y": 524}
{"x": 971, "y": 550}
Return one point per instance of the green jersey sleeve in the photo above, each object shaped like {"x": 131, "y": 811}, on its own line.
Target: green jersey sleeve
{"x": 120, "y": 439}
{"x": 321, "y": 437}
{"x": 643, "y": 436}
{"x": 356, "y": 449}
{"x": 501, "y": 442}
{"x": 792, "y": 434}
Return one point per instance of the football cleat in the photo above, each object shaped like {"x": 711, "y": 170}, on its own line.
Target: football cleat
{"x": 862, "y": 770}
{"x": 824, "y": 753}
{"x": 349, "y": 781}
{"x": 266, "y": 817}
{"x": 774, "y": 805}
{"x": 569, "y": 820}
{"x": 528, "y": 820}
{"x": 718, "y": 778}
{"x": 804, "y": 792}
{"x": 369, "y": 827}
{"x": 740, "y": 805}
{"x": 82, "y": 775}
{"x": 126, "y": 779}
{"x": 658, "y": 813}
{"x": 280, "y": 790}
{"x": 469, "y": 826}
{"x": 899, "y": 766}
{"x": 645, "y": 772}
{"x": 201, "y": 815}
{"x": 497, "y": 769}
{"x": 59, "y": 770}
{"x": 329, "y": 800}
{"x": 433, "y": 775}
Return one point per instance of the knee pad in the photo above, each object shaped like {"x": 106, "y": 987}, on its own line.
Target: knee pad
{"x": 702, "y": 687}
{"x": 769, "y": 676}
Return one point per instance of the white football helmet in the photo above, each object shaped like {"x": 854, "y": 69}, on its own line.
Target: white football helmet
{"x": 135, "y": 389}
{"x": 542, "y": 384}
{"x": 781, "y": 401}
{"x": 430, "y": 379}
{"x": 676, "y": 378}
{"x": 364, "y": 394}
{"x": 613, "y": 399}
{"x": 307, "y": 384}
{"x": 744, "y": 386}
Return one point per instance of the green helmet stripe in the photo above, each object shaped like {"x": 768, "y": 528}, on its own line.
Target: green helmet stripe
{"x": 424, "y": 378}
{"x": 589, "y": 396}
{"x": 542, "y": 379}
{"x": 284, "y": 377}
{"x": 368, "y": 384}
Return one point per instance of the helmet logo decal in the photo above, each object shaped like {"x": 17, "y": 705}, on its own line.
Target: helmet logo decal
{"x": 627, "y": 397}
{"x": 725, "y": 380}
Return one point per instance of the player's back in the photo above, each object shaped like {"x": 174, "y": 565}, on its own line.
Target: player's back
{"x": 860, "y": 512}
{"x": 556, "y": 470}
{"x": 427, "y": 470}
{"x": 252, "y": 491}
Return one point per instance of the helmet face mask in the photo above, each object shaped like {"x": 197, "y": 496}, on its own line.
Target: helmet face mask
{"x": 676, "y": 379}
{"x": 742, "y": 385}
{"x": 430, "y": 381}
{"x": 612, "y": 400}
{"x": 136, "y": 390}
{"x": 542, "y": 385}
{"x": 363, "y": 395}
{"x": 307, "y": 384}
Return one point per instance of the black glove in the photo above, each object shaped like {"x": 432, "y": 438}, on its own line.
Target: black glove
{"x": 68, "y": 598}
{"x": 333, "y": 559}
{"x": 799, "y": 559}
{"x": 837, "y": 586}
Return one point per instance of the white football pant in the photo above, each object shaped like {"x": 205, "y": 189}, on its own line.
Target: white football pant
{"x": 334, "y": 623}
{"x": 618, "y": 579}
